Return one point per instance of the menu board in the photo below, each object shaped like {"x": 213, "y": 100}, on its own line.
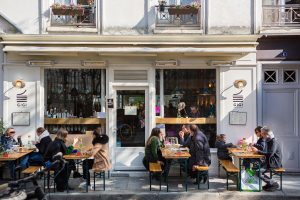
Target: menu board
{"x": 20, "y": 118}
{"x": 237, "y": 118}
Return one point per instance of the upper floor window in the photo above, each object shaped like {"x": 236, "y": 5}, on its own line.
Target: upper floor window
{"x": 289, "y": 76}
{"x": 281, "y": 12}
{"x": 270, "y": 76}
{"x": 73, "y": 13}
{"x": 178, "y": 13}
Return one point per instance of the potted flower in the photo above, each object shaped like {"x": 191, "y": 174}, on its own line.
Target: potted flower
{"x": 185, "y": 10}
{"x": 60, "y": 9}
{"x": 162, "y": 5}
{"x": 76, "y": 10}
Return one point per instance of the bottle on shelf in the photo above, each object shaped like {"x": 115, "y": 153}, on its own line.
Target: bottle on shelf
{"x": 54, "y": 113}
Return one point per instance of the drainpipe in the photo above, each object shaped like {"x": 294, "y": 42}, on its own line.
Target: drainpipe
{"x": 40, "y": 6}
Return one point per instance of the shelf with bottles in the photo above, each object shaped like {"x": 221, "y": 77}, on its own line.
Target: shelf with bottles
{"x": 71, "y": 128}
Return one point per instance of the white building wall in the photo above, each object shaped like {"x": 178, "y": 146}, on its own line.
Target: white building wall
{"x": 24, "y": 14}
{"x": 125, "y": 16}
{"x": 31, "y": 76}
{"x": 229, "y": 16}
{"x": 227, "y": 77}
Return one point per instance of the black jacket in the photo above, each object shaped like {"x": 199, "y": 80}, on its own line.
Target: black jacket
{"x": 260, "y": 144}
{"x": 199, "y": 150}
{"x": 43, "y": 144}
{"x": 54, "y": 147}
{"x": 273, "y": 154}
{"x": 222, "y": 152}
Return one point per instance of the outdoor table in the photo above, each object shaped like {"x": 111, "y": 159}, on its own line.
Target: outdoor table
{"x": 77, "y": 159}
{"x": 241, "y": 155}
{"x": 175, "y": 153}
{"x": 14, "y": 157}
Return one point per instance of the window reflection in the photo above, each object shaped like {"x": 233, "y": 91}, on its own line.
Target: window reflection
{"x": 188, "y": 93}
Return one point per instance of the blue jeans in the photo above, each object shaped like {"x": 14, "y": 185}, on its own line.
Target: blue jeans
{"x": 36, "y": 158}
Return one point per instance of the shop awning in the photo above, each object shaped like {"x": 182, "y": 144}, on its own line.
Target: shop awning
{"x": 125, "y": 50}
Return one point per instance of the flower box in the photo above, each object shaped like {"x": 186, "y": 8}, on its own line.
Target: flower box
{"x": 183, "y": 11}
{"x": 68, "y": 11}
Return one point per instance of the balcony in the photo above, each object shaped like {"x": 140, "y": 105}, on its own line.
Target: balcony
{"x": 73, "y": 16}
{"x": 281, "y": 15}
{"x": 184, "y": 19}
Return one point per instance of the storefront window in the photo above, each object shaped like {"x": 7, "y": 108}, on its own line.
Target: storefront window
{"x": 73, "y": 99}
{"x": 188, "y": 93}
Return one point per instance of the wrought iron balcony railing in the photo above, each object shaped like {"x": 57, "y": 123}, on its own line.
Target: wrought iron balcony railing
{"x": 175, "y": 16}
{"x": 73, "y": 16}
{"x": 281, "y": 15}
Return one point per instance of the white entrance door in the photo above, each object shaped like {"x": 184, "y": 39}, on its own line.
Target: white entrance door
{"x": 281, "y": 110}
{"x": 131, "y": 127}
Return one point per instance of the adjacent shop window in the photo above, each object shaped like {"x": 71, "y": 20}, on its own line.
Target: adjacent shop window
{"x": 73, "y": 99}
{"x": 187, "y": 93}
{"x": 270, "y": 76}
{"x": 289, "y": 76}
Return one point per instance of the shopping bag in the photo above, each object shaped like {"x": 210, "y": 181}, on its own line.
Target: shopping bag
{"x": 249, "y": 180}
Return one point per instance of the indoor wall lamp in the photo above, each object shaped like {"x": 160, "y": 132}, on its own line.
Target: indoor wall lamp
{"x": 40, "y": 63}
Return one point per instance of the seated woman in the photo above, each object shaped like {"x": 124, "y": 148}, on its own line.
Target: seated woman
{"x": 99, "y": 159}
{"x": 152, "y": 150}
{"x": 222, "y": 146}
{"x": 7, "y": 141}
{"x": 58, "y": 145}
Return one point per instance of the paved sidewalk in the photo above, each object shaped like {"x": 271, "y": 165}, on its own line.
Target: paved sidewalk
{"x": 137, "y": 187}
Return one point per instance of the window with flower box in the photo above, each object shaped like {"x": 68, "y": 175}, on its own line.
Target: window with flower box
{"x": 178, "y": 13}
{"x": 73, "y": 13}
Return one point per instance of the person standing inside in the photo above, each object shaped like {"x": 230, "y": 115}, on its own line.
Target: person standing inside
{"x": 194, "y": 112}
{"x": 273, "y": 158}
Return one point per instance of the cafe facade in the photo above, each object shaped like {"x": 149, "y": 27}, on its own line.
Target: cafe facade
{"x": 127, "y": 85}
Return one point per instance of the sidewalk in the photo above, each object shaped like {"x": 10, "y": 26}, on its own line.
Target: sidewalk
{"x": 137, "y": 187}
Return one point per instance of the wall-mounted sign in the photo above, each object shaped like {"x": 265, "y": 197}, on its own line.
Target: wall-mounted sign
{"x": 238, "y": 100}
{"x": 110, "y": 103}
{"x": 22, "y": 99}
{"x": 237, "y": 118}
{"x": 20, "y": 119}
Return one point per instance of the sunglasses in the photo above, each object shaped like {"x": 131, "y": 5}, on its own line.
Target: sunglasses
{"x": 12, "y": 132}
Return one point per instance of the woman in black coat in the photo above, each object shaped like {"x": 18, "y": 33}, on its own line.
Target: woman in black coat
{"x": 58, "y": 145}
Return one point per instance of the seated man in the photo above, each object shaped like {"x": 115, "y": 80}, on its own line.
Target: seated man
{"x": 222, "y": 146}
{"x": 273, "y": 159}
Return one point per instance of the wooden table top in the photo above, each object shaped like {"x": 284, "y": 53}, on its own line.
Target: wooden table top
{"x": 15, "y": 155}
{"x": 76, "y": 157}
{"x": 171, "y": 153}
{"x": 239, "y": 153}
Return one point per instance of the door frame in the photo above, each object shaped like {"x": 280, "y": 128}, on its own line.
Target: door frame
{"x": 113, "y": 123}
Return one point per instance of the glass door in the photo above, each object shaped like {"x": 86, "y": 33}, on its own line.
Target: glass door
{"x": 131, "y": 128}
